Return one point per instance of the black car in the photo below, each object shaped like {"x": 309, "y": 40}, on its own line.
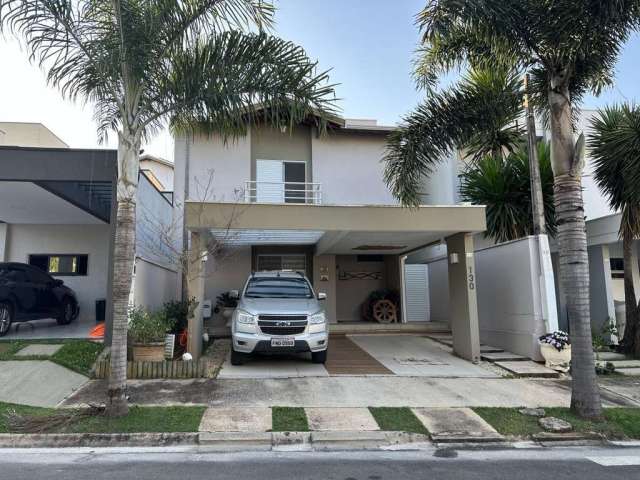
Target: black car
{"x": 28, "y": 293}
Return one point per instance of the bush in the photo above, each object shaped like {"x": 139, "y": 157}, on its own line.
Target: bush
{"x": 179, "y": 312}
{"x": 149, "y": 327}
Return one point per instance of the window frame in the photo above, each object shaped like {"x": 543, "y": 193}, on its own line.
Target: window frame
{"x": 60, "y": 274}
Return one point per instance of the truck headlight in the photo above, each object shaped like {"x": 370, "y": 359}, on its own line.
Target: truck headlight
{"x": 317, "y": 318}
{"x": 245, "y": 318}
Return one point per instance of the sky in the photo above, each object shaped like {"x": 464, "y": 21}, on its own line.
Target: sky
{"x": 367, "y": 44}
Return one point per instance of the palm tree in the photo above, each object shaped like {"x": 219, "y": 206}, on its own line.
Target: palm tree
{"x": 146, "y": 63}
{"x": 504, "y": 186}
{"x": 569, "y": 48}
{"x": 615, "y": 147}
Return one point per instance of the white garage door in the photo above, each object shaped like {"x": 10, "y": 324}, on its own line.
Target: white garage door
{"x": 416, "y": 280}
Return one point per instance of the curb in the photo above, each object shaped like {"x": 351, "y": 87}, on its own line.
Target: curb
{"x": 61, "y": 440}
{"x": 317, "y": 440}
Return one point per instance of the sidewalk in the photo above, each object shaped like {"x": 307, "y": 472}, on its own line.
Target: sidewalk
{"x": 330, "y": 392}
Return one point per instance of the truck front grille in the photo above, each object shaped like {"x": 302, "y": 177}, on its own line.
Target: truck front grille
{"x": 282, "y": 324}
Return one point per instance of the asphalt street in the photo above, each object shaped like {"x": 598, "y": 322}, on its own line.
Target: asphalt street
{"x": 194, "y": 463}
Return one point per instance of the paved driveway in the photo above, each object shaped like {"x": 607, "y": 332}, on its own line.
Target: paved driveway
{"x": 365, "y": 355}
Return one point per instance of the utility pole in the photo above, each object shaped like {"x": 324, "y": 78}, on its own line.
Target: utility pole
{"x": 537, "y": 202}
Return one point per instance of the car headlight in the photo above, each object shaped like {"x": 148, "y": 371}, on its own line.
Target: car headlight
{"x": 245, "y": 318}
{"x": 317, "y": 318}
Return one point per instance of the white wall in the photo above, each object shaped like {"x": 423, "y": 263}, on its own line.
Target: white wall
{"x": 229, "y": 273}
{"x": 516, "y": 297}
{"x": 164, "y": 173}
{"x": 350, "y": 169}
{"x": 155, "y": 225}
{"x": 439, "y": 290}
{"x": 93, "y": 240}
{"x": 153, "y": 285}
{"x": 516, "y": 300}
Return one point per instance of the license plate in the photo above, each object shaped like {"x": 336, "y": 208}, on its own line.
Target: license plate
{"x": 283, "y": 342}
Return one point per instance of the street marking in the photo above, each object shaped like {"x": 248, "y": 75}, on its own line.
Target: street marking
{"x": 617, "y": 461}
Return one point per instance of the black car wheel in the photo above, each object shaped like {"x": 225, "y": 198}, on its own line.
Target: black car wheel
{"x": 6, "y": 318}
{"x": 319, "y": 357}
{"x": 66, "y": 312}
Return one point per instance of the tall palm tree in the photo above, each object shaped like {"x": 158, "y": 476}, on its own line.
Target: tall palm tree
{"x": 569, "y": 47}
{"x": 504, "y": 186}
{"x": 615, "y": 147}
{"x": 146, "y": 63}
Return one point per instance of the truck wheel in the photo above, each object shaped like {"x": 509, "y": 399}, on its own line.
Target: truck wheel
{"x": 237, "y": 358}
{"x": 6, "y": 318}
{"x": 319, "y": 357}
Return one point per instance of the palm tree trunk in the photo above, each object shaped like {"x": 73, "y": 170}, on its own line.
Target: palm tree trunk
{"x": 124, "y": 254}
{"x": 630, "y": 341}
{"x": 572, "y": 245}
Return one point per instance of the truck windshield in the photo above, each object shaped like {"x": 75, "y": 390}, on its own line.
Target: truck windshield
{"x": 278, "y": 287}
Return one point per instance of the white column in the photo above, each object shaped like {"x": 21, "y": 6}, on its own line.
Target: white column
{"x": 600, "y": 288}
{"x": 4, "y": 242}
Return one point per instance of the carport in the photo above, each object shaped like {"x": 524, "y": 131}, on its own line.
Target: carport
{"x": 56, "y": 207}
{"x": 333, "y": 230}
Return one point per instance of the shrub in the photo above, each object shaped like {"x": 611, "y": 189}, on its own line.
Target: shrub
{"x": 148, "y": 327}
{"x": 179, "y": 312}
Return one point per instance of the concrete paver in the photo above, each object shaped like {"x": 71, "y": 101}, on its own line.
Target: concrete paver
{"x": 41, "y": 349}
{"x": 341, "y": 419}
{"x": 236, "y": 419}
{"x": 527, "y": 369}
{"x": 37, "y": 383}
{"x": 412, "y": 356}
{"x": 455, "y": 424}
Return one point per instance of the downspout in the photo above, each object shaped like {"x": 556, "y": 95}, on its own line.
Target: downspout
{"x": 403, "y": 298}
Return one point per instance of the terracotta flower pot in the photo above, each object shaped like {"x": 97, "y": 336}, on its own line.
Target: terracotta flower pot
{"x": 148, "y": 352}
{"x": 556, "y": 359}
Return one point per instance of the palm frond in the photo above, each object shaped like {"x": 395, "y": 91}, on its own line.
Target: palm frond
{"x": 230, "y": 80}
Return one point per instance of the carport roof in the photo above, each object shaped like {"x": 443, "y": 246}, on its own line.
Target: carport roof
{"x": 336, "y": 229}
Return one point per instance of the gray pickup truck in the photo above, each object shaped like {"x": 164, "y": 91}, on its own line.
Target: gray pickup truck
{"x": 278, "y": 312}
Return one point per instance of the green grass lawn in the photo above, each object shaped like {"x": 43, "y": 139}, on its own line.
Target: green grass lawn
{"x": 76, "y": 355}
{"x": 618, "y": 422}
{"x": 139, "y": 419}
{"x": 289, "y": 419}
{"x": 400, "y": 419}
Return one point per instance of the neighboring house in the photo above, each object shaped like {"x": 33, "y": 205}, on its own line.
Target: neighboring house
{"x": 26, "y": 134}
{"x": 57, "y": 210}
{"x": 159, "y": 171}
{"x": 314, "y": 202}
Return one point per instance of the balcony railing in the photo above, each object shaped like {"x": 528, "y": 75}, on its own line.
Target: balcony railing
{"x": 283, "y": 192}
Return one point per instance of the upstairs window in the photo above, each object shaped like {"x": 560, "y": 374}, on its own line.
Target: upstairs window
{"x": 61, "y": 265}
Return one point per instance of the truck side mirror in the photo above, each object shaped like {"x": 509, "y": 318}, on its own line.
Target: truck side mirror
{"x": 322, "y": 296}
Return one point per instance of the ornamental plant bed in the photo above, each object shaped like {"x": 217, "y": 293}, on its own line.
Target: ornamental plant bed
{"x": 148, "y": 331}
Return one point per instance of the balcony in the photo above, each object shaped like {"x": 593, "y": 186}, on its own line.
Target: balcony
{"x": 283, "y": 192}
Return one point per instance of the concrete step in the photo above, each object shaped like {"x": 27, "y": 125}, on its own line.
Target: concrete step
{"x": 503, "y": 357}
{"x": 629, "y": 372}
{"x": 490, "y": 349}
{"x": 626, "y": 363}
{"x": 527, "y": 369}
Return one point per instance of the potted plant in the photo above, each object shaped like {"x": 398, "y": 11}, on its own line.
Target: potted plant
{"x": 226, "y": 303}
{"x": 148, "y": 331}
{"x": 555, "y": 347}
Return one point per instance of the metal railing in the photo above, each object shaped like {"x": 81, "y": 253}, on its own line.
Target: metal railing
{"x": 283, "y": 192}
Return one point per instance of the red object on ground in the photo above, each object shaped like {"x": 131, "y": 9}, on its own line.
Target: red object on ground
{"x": 183, "y": 338}
{"x": 97, "y": 331}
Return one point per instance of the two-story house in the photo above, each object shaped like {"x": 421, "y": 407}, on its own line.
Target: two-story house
{"x": 317, "y": 202}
